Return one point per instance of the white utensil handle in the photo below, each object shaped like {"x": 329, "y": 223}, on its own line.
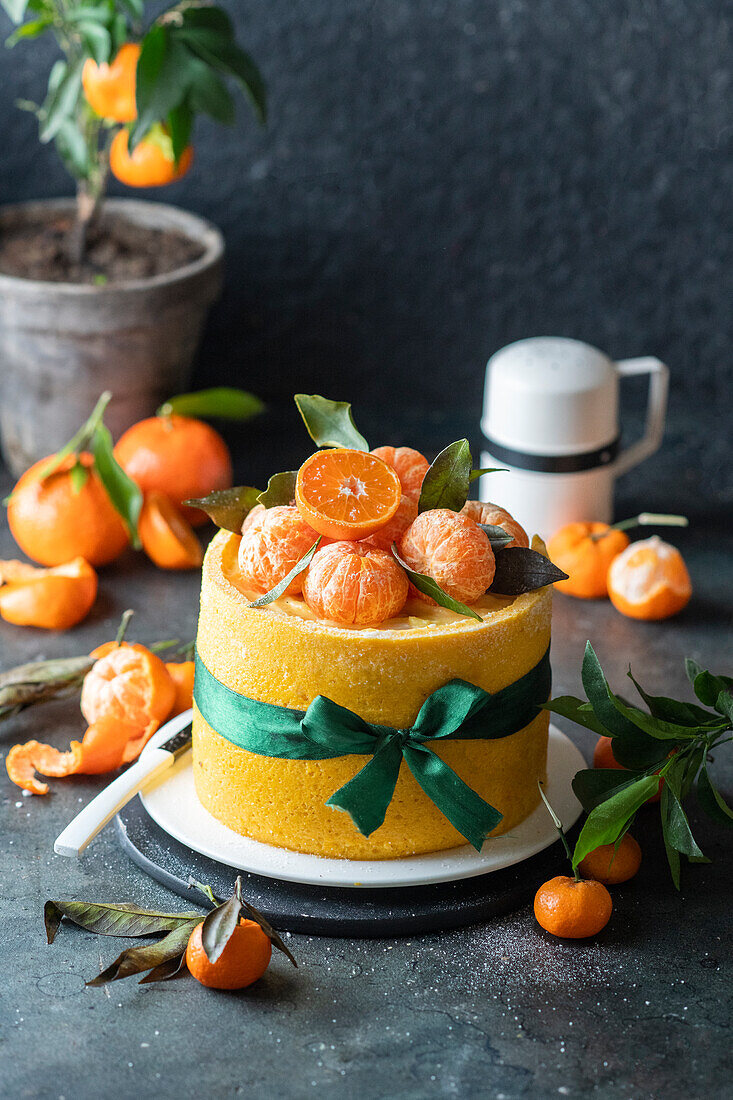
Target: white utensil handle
{"x": 95, "y": 815}
{"x": 655, "y": 414}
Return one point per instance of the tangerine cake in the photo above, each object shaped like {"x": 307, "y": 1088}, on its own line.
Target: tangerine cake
{"x": 376, "y": 631}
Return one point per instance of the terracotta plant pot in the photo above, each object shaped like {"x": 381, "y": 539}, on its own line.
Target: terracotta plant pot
{"x": 62, "y": 344}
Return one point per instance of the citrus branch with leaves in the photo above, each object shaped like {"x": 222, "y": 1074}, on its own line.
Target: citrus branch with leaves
{"x": 187, "y": 55}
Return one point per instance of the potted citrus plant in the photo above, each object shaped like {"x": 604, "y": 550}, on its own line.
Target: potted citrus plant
{"x": 102, "y": 294}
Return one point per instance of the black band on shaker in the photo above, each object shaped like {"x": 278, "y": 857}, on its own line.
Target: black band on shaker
{"x": 554, "y": 464}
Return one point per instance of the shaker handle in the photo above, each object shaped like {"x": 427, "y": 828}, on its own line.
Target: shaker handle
{"x": 655, "y": 414}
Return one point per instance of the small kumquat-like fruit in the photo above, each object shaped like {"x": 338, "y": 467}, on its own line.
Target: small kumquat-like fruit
{"x": 53, "y": 522}
{"x": 610, "y": 864}
{"x": 245, "y": 957}
{"x": 178, "y": 456}
{"x": 347, "y": 494}
{"x": 409, "y": 465}
{"x": 453, "y": 550}
{"x": 149, "y": 165}
{"x": 53, "y": 599}
{"x": 585, "y": 551}
{"x": 168, "y": 539}
{"x": 493, "y": 515}
{"x": 110, "y": 87}
{"x": 354, "y": 583}
{"x": 181, "y": 673}
{"x": 572, "y": 909}
{"x": 649, "y": 580}
{"x": 272, "y": 545}
{"x": 395, "y": 529}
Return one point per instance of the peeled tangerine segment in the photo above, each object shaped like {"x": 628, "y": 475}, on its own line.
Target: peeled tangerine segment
{"x": 347, "y": 494}
{"x": 167, "y": 537}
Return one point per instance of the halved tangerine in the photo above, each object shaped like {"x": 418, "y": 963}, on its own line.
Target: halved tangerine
{"x": 346, "y": 494}
{"x": 168, "y": 538}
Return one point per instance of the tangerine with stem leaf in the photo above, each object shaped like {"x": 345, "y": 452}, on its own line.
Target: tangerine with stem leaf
{"x": 572, "y": 908}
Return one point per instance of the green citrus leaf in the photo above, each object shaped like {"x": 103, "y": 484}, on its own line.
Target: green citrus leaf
{"x": 224, "y": 402}
{"x": 677, "y": 830}
{"x": 280, "y": 489}
{"x": 595, "y": 785}
{"x": 431, "y": 588}
{"x": 228, "y": 508}
{"x": 125, "y": 495}
{"x": 329, "y": 423}
{"x": 607, "y": 820}
{"x": 445, "y": 484}
{"x": 276, "y": 592}
{"x": 672, "y": 710}
{"x": 497, "y": 536}
{"x": 476, "y": 474}
{"x": 712, "y": 802}
{"x": 519, "y": 569}
{"x": 577, "y": 711}
{"x": 673, "y": 856}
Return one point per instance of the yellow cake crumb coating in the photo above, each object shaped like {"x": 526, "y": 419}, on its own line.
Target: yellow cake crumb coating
{"x": 281, "y": 655}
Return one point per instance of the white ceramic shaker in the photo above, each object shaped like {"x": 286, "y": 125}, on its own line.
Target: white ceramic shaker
{"x": 551, "y": 420}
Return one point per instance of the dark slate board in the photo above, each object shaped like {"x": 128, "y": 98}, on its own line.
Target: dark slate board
{"x": 339, "y": 911}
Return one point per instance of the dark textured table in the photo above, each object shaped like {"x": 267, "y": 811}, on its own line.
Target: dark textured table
{"x": 499, "y": 1010}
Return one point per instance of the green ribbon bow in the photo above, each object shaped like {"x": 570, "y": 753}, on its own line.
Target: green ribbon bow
{"x": 456, "y": 711}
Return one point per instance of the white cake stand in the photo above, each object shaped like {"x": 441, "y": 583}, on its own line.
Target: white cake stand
{"x": 172, "y": 803}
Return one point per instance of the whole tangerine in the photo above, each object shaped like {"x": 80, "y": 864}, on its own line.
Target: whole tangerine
{"x": 453, "y": 550}
{"x": 130, "y": 686}
{"x": 494, "y": 515}
{"x": 244, "y": 960}
{"x": 610, "y": 864}
{"x": 354, "y": 583}
{"x": 585, "y": 552}
{"x": 53, "y": 522}
{"x": 179, "y": 456}
{"x": 273, "y": 543}
{"x": 395, "y": 529}
{"x": 649, "y": 580}
{"x": 409, "y": 465}
{"x": 572, "y": 909}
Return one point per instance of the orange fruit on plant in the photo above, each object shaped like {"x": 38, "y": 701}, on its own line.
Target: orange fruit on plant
{"x": 149, "y": 165}
{"x": 110, "y": 87}
{"x": 354, "y": 583}
{"x": 53, "y": 523}
{"x": 54, "y": 599}
{"x": 168, "y": 539}
{"x": 453, "y": 550}
{"x": 484, "y": 512}
{"x": 395, "y": 529}
{"x": 573, "y": 910}
{"x": 176, "y": 455}
{"x": 409, "y": 465}
{"x": 609, "y": 864}
{"x": 585, "y": 552}
{"x": 181, "y": 673}
{"x": 347, "y": 494}
{"x": 649, "y": 580}
{"x": 245, "y": 957}
{"x": 272, "y": 545}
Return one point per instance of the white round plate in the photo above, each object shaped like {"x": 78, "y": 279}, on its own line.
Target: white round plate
{"x": 173, "y": 805}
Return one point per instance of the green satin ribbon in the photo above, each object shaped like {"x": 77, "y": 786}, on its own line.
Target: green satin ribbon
{"x": 458, "y": 711}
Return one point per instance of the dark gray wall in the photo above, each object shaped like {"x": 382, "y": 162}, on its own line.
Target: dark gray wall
{"x": 439, "y": 177}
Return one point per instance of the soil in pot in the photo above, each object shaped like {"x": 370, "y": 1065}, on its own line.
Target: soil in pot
{"x": 117, "y": 251}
